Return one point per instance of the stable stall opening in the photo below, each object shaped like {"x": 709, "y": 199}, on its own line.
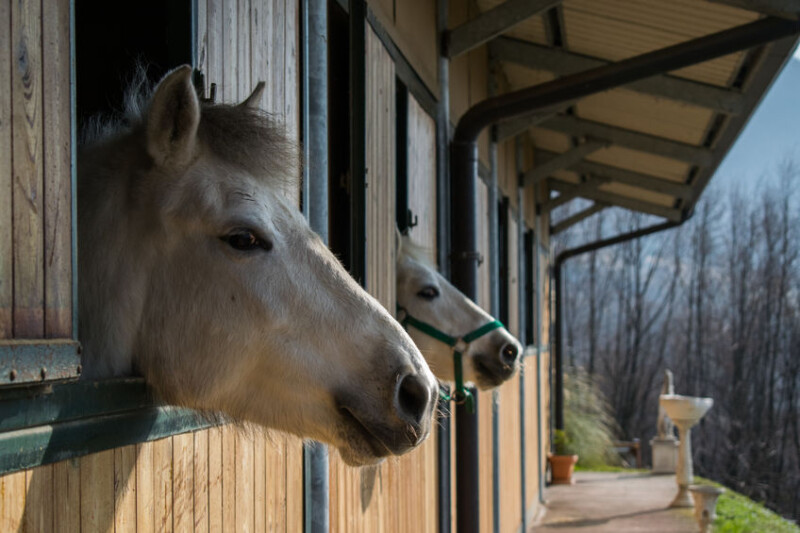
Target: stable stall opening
{"x": 340, "y": 182}
{"x": 114, "y": 39}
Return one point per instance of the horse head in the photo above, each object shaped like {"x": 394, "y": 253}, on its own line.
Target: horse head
{"x": 432, "y": 301}
{"x": 199, "y": 273}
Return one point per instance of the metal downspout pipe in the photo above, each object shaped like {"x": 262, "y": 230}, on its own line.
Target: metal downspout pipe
{"x": 558, "y": 282}
{"x": 464, "y": 161}
{"x": 315, "y": 206}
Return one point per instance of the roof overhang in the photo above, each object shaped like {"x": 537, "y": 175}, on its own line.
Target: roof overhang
{"x": 651, "y": 145}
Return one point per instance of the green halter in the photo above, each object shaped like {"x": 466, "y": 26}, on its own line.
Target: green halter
{"x": 461, "y": 395}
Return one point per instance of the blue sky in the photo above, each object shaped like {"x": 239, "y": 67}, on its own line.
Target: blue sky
{"x": 771, "y": 136}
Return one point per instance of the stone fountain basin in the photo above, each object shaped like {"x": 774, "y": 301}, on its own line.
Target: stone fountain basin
{"x": 688, "y": 408}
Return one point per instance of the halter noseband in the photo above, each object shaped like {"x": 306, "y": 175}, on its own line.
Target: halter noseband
{"x": 461, "y": 395}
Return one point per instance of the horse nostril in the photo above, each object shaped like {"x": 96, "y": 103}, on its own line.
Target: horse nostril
{"x": 508, "y": 354}
{"x": 413, "y": 397}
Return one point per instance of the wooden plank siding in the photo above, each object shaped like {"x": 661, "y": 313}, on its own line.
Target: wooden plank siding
{"x": 35, "y": 190}
{"x": 231, "y": 478}
{"x": 177, "y": 483}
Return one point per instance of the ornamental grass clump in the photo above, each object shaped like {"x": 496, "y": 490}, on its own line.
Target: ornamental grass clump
{"x": 589, "y": 426}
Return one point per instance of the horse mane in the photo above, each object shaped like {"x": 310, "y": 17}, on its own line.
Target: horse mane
{"x": 419, "y": 253}
{"x": 247, "y": 137}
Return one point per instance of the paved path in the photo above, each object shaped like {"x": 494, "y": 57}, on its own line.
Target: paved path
{"x": 619, "y": 503}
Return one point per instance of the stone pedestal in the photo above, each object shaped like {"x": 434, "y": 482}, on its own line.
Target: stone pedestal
{"x": 705, "y": 505}
{"x": 665, "y": 455}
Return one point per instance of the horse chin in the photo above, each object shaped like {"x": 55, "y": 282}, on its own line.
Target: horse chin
{"x": 488, "y": 377}
{"x": 355, "y": 458}
{"x": 361, "y": 446}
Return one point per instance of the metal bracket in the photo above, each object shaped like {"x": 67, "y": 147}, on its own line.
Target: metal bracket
{"x": 37, "y": 360}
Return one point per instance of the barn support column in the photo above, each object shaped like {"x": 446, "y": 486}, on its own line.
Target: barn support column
{"x": 524, "y": 334}
{"x": 494, "y": 306}
{"x": 443, "y": 428}
{"x": 464, "y": 161}
{"x": 314, "y": 16}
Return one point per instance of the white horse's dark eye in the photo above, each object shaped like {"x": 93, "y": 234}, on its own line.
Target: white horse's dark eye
{"x": 428, "y": 293}
{"x": 246, "y": 240}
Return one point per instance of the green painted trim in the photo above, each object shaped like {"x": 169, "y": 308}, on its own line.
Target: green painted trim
{"x": 40, "y": 445}
{"x": 38, "y": 360}
{"x": 51, "y": 422}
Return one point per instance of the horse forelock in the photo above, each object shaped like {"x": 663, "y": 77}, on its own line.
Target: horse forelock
{"x": 417, "y": 252}
{"x": 242, "y": 136}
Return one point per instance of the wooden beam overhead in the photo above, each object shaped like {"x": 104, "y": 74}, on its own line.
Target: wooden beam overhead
{"x": 788, "y": 9}
{"x": 561, "y": 161}
{"x": 563, "y": 63}
{"x": 492, "y": 23}
{"x": 670, "y": 213}
{"x": 621, "y": 175}
{"x": 634, "y": 140}
{"x": 580, "y": 190}
{"x": 577, "y": 217}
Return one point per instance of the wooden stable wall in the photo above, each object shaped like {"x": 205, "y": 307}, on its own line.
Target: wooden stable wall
{"x": 225, "y": 479}
{"x": 35, "y": 192}
{"x": 400, "y": 494}
{"x": 222, "y": 479}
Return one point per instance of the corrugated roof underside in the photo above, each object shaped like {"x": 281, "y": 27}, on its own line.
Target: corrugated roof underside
{"x": 614, "y": 30}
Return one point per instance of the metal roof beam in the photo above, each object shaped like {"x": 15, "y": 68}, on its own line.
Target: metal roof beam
{"x": 621, "y": 175}
{"x": 618, "y": 200}
{"x": 511, "y": 128}
{"x": 561, "y": 161}
{"x": 582, "y": 189}
{"x": 631, "y": 139}
{"x": 564, "y": 63}
{"x": 788, "y": 9}
{"x": 577, "y": 217}
{"x": 492, "y": 23}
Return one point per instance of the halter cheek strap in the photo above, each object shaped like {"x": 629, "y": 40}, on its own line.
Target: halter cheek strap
{"x": 462, "y": 394}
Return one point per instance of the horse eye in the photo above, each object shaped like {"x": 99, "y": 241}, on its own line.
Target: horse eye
{"x": 428, "y": 293}
{"x": 246, "y": 240}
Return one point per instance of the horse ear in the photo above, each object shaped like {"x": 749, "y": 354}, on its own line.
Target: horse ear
{"x": 173, "y": 118}
{"x": 255, "y": 97}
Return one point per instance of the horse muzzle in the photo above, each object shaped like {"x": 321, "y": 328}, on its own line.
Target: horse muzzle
{"x": 498, "y": 362}
{"x": 372, "y": 435}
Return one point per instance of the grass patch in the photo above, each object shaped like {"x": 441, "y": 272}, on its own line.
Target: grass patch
{"x": 737, "y": 513}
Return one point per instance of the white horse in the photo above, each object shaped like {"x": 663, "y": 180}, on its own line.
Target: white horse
{"x": 427, "y": 297}
{"x": 197, "y": 272}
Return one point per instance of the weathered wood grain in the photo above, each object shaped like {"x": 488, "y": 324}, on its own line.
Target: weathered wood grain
{"x": 145, "y": 502}
{"x": 229, "y": 479}
{"x": 245, "y": 499}
{"x": 6, "y": 182}
{"x": 12, "y": 501}
{"x": 39, "y": 499}
{"x": 244, "y": 67}
{"x": 97, "y": 492}
{"x": 125, "y": 489}
{"x": 201, "y": 481}
{"x": 57, "y": 171}
{"x": 67, "y": 496}
{"x": 215, "y": 514}
{"x": 183, "y": 483}
{"x": 27, "y": 198}
{"x": 162, "y": 485}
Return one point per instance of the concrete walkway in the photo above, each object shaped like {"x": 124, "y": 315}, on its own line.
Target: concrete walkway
{"x": 612, "y": 502}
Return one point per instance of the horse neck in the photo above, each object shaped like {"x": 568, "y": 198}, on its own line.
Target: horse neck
{"x": 113, "y": 262}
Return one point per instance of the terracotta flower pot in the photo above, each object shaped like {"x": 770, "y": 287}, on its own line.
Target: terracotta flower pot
{"x": 562, "y": 467}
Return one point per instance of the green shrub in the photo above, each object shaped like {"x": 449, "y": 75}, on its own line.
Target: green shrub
{"x": 589, "y": 426}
